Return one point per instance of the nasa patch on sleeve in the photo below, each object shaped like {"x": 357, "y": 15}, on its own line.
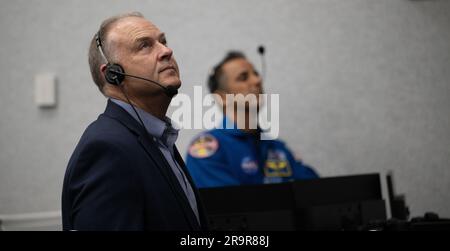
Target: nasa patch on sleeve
{"x": 204, "y": 146}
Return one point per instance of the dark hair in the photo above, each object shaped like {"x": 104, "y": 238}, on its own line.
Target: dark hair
{"x": 216, "y": 75}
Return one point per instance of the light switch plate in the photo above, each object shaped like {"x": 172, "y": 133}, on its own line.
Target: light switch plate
{"x": 45, "y": 90}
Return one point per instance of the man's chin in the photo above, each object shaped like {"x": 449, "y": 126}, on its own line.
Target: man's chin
{"x": 175, "y": 82}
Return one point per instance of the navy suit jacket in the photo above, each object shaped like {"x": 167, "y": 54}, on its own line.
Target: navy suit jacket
{"x": 117, "y": 179}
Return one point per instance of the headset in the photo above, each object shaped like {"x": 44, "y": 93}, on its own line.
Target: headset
{"x": 115, "y": 74}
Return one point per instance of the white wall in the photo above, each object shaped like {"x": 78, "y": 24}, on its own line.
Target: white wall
{"x": 364, "y": 85}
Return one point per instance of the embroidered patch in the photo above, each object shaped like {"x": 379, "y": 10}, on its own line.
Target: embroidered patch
{"x": 204, "y": 146}
{"x": 277, "y": 164}
{"x": 249, "y": 166}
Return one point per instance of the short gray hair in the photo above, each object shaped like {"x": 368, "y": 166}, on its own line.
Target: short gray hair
{"x": 95, "y": 57}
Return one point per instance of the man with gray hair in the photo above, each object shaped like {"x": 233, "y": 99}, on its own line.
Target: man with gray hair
{"x": 125, "y": 172}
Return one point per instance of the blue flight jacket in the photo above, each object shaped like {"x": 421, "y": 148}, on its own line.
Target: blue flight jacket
{"x": 231, "y": 157}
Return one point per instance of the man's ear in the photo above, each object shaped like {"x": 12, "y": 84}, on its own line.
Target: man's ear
{"x": 221, "y": 93}
{"x": 220, "y": 96}
{"x": 102, "y": 69}
{"x": 108, "y": 89}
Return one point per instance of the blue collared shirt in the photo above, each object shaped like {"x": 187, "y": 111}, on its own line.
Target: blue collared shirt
{"x": 165, "y": 136}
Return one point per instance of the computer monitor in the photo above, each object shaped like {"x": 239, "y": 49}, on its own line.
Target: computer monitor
{"x": 336, "y": 203}
{"x": 339, "y": 203}
{"x": 251, "y": 207}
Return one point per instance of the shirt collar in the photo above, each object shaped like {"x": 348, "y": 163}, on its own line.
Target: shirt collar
{"x": 230, "y": 127}
{"x": 162, "y": 130}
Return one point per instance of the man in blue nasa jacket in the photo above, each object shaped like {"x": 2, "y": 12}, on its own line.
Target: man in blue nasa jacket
{"x": 237, "y": 156}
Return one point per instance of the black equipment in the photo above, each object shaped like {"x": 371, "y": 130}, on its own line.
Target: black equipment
{"x": 337, "y": 203}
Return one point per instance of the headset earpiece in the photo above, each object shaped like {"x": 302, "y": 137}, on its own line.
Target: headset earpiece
{"x": 114, "y": 74}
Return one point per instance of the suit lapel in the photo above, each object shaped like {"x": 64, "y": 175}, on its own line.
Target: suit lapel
{"x": 200, "y": 207}
{"x": 116, "y": 112}
{"x": 152, "y": 149}
{"x": 180, "y": 161}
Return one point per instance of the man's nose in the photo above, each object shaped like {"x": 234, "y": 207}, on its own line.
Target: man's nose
{"x": 256, "y": 80}
{"x": 165, "y": 52}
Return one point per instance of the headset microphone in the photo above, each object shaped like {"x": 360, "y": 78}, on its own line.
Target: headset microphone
{"x": 261, "y": 51}
{"x": 115, "y": 73}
